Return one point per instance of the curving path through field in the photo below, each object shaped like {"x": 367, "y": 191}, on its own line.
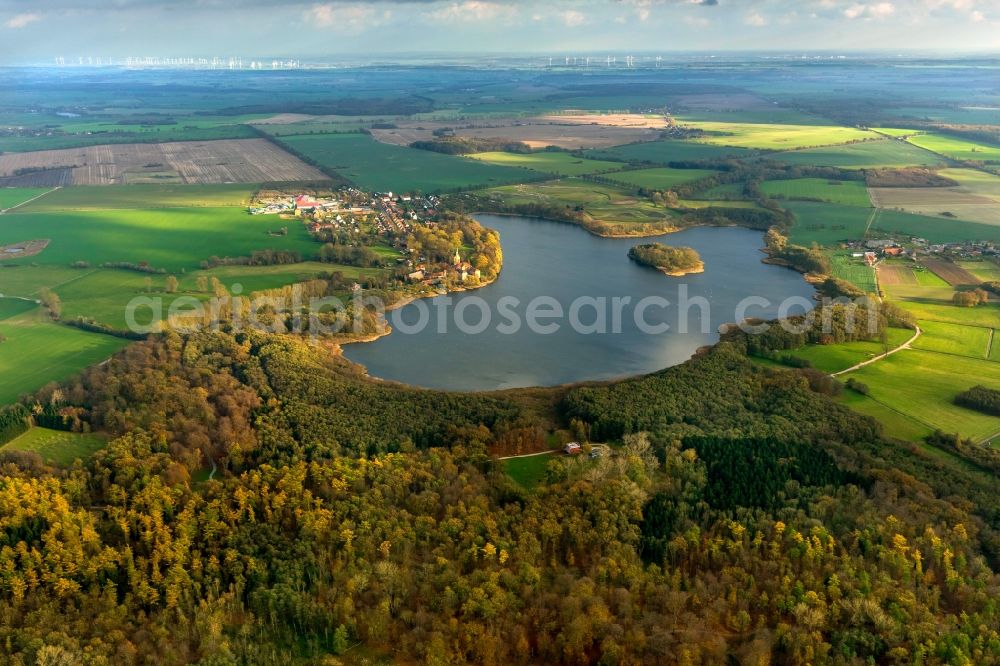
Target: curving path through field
{"x": 905, "y": 345}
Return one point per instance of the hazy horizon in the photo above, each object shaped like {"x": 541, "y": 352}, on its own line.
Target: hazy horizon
{"x": 35, "y": 32}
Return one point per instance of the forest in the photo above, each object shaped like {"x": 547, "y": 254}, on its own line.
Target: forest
{"x": 744, "y": 517}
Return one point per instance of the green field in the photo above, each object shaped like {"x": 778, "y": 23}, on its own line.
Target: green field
{"x": 107, "y": 197}
{"x": 602, "y": 204}
{"x": 855, "y": 271}
{"x": 984, "y": 316}
{"x": 115, "y": 133}
{"x": 777, "y": 137}
{"x": 664, "y": 152}
{"x": 985, "y": 270}
{"x": 926, "y": 278}
{"x": 975, "y": 182}
{"x": 957, "y": 149}
{"x": 529, "y": 471}
{"x": 837, "y": 357}
{"x": 845, "y": 192}
{"x": 381, "y": 167}
{"x": 12, "y": 307}
{"x": 923, "y": 385}
{"x": 12, "y": 196}
{"x": 828, "y": 224}
{"x": 864, "y": 155}
{"x": 57, "y": 446}
{"x": 557, "y": 163}
{"x": 971, "y": 341}
{"x": 103, "y": 294}
{"x": 37, "y": 351}
{"x": 174, "y": 239}
{"x": 659, "y": 179}
{"x": 895, "y": 424}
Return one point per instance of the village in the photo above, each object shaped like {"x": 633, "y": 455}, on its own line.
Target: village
{"x": 872, "y": 251}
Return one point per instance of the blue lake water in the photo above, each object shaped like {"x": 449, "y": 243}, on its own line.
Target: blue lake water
{"x": 564, "y": 263}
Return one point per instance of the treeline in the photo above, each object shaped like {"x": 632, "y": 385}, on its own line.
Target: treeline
{"x": 465, "y": 145}
{"x": 256, "y": 258}
{"x": 94, "y": 326}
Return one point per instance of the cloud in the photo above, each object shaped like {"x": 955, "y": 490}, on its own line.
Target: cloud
{"x": 573, "y": 18}
{"x": 473, "y": 11}
{"x": 346, "y": 17}
{"x": 755, "y": 19}
{"x": 21, "y": 20}
{"x": 879, "y": 10}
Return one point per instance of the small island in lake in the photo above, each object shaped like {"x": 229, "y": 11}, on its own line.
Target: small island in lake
{"x": 674, "y": 261}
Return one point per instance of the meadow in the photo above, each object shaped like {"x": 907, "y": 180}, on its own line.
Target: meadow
{"x": 103, "y": 294}
{"x": 664, "y": 152}
{"x": 557, "y": 163}
{"x": 143, "y": 196}
{"x": 14, "y": 196}
{"x": 828, "y": 224}
{"x": 528, "y": 471}
{"x": 777, "y": 137}
{"x": 173, "y": 239}
{"x": 37, "y": 351}
{"x": 57, "y": 446}
{"x": 381, "y": 167}
{"x": 922, "y": 385}
{"x": 659, "y": 179}
{"x": 957, "y": 149}
{"x": 864, "y": 155}
{"x": 946, "y": 338}
{"x": 855, "y": 271}
{"x": 603, "y": 205}
{"x": 834, "y": 358}
{"x": 845, "y": 192}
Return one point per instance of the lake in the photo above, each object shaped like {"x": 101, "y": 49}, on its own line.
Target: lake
{"x": 548, "y": 266}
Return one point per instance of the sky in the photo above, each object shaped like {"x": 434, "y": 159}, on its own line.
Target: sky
{"x": 39, "y": 30}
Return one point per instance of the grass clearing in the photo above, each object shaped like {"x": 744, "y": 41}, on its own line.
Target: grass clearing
{"x": 659, "y": 179}
{"x": 895, "y": 424}
{"x": 37, "y": 351}
{"x": 922, "y": 385}
{"x": 837, "y": 357}
{"x": 529, "y": 471}
{"x": 382, "y": 167}
{"x": 864, "y": 155}
{"x": 57, "y": 446}
{"x": 845, "y": 192}
{"x": 558, "y": 163}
